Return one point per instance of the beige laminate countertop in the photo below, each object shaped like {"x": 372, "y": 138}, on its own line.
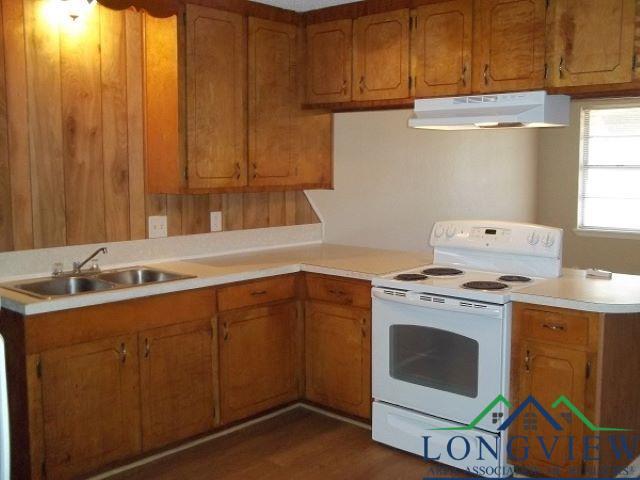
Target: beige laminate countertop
{"x": 618, "y": 295}
{"x": 345, "y": 261}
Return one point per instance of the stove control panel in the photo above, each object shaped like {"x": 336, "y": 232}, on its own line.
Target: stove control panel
{"x": 499, "y": 237}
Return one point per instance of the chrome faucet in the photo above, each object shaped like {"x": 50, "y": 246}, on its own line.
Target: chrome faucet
{"x": 77, "y": 266}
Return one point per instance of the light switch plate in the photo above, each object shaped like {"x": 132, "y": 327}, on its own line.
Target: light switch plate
{"x": 157, "y": 227}
{"x": 216, "y": 221}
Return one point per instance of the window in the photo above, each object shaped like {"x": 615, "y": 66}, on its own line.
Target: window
{"x": 610, "y": 170}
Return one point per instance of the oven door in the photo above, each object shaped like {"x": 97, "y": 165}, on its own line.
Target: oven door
{"x": 438, "y": 355}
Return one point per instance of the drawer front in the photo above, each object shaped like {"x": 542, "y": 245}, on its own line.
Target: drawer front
{"x": 330, "y": 289}
{"x": 564, "y": 327}
{"x": 256, "y": 292}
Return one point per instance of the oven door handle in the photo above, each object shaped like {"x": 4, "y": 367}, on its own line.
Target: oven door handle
{"x": 437, "y": 302}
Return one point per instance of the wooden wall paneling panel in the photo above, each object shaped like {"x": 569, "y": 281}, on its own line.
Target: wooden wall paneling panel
{"x": 509, "y": 45}
{"x": 232, "y": 211}
{"x": 195, "y": 214}
{"x": 304, "y": 210}
{"x": 216, "y": 76}
{"x": 290, "y": 208}
{"x": 162, "y": 123}
{"x": 441, "y": 48}
{"x": 115, "y": 145}
{"x": 6, "y": 218}
{"x": 82, "y": 131}
{"x": 45, "y": 127}
{"x": 15, "y": 70}
{"x": 135, "y": 124}
{"x": 256, "y": 210}
{"x": 276, "y": 209}
{"x": 174, "y": 215}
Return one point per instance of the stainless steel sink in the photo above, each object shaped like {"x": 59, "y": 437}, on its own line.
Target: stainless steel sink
{"x": 66, "y": 286}
{"x": 139, "y": 276}
{"x": 63, "y": 286}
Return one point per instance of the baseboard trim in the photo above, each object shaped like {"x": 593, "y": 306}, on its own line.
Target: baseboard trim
{"x": 222, "y": 433}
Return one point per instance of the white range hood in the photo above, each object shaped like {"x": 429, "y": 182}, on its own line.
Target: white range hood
{"x": 509, "y": 110}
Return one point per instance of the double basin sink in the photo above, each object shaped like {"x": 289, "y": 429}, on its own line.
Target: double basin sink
{"x": 70, "y": 285}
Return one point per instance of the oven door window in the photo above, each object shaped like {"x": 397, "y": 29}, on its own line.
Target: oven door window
{"x": 434, "y": 358}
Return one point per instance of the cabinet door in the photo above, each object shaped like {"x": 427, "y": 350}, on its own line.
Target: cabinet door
{"x": 91, "y": 405}
{"x": 329, "y": 60}
{"x": 216, "y": 98}
{"x": 381, "y": 56}
{"x": 546, "y": 372}
{"x": 258, "y": 358}
{"x": 273, "y": 103}
{"x": 509, "y": 45}
{"x": 591, "y": 42}
{"x": 338, "y": 357}
{"x": 176, "y": 381}
{"x": 441, "y": 49}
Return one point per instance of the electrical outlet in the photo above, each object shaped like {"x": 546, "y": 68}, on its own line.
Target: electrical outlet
{"x": 157, "y": 227}
{"x": 216, "y": 221}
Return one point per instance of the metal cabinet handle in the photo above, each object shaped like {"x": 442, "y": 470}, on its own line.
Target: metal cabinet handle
{"x": 337, "y": 292}
{"x": 259, "y": 292}
{"x": 238, "y": 171}
{"x": 225, "y": 331}
{"x": 147, "y": 348}
{"x": 463, "y": 77}
{"x": 123, "y": 353}
{"x": 254, "y": 166}
{"x": 561, "y": 67}
{"x": 485, "y": 74}
{"x": 362, "y": 84}
{"x": 527, "y": 361}
{"x": 554, "y": 326}
{"x": 344, "y": 86}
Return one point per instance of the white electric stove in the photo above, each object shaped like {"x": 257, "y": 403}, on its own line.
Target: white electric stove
{"x": 442, "y": 335}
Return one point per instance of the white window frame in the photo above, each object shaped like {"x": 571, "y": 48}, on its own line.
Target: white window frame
{"x": 598, "y": 231}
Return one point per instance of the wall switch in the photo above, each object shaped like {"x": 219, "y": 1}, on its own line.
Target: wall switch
{"x": 157, "y": 227}
{"x": 216, "y": 221}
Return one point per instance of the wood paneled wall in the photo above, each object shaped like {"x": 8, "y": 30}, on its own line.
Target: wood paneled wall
{"x": 71, "y": 138}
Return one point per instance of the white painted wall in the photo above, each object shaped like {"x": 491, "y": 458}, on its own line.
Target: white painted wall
{"x": 392, "y": 182}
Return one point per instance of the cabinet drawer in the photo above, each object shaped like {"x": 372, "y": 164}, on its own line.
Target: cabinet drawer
{"x": 344, "y": 292}
{"x": 256, "y": 292}
{"x": 557, "y": 326}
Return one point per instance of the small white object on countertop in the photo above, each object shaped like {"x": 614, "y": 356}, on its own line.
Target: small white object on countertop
{"x": 596, "y": 273}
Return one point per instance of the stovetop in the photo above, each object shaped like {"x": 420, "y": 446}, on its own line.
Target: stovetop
{"x": 455, "y": 281}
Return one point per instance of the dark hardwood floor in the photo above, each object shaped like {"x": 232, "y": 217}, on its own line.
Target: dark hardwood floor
{"x": 296, "y": 445}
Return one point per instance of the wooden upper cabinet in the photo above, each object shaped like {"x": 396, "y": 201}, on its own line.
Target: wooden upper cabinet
{"x": 176, "y": 382}
{"x": 441, "y": 47}
{"x": 591, "y": 42}
{"x": 273, "y": 102}
{"x": 329, "y": 61}
{"x": 509, "y": 45}
{"x": 216, "y": 98}
{"x": 90, "y": 405}
{"x": 258, "y": 359}
{"x": 381, "y": 56}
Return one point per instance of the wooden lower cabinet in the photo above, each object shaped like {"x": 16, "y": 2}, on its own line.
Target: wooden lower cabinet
{"x": 258, "y": 359}
{"x": 549, "y": 372}
{"x": 176, "y": 380}
{"x": 338, "y": 357}
{"x": 90, "y": 405}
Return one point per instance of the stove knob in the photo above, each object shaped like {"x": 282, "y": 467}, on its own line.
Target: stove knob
{"x": 533, "y": 238}
{"x": 549, "y": 241}
{"x": 439, "y": 231}
{"x": 451, "y": 231}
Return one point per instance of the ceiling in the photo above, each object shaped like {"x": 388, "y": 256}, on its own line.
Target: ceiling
{"x": 304, "y": 5}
